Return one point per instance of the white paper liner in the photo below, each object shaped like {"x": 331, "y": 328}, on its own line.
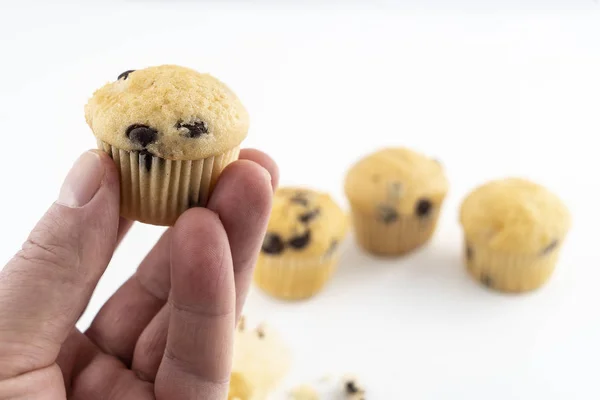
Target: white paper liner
{"x": 159, "y": 194}
{"x": 400, "y": 237}
{"x": 509, "y": 272}
{"x": 292, "y": 278}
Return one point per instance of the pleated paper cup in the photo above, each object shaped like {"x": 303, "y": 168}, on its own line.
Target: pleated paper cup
{"x": 509, "y": 272}
{"x": 290, "y": 277}
{"x": 157, "y": 191}
{"x": 394, "y": 239}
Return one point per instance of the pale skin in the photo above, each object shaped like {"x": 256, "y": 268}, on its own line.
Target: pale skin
{"x": 167, "y": 332}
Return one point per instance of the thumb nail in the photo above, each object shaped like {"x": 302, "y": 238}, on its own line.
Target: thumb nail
{"x": 83, "y": 181}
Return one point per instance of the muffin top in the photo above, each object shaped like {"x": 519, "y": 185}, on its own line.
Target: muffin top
{"x": 170, "y": 111}
{"x": 304, "y": 222}
{"x": 261, "y": 359}
{"x": 514, "y": 215}
{"x": 396, "y": 181}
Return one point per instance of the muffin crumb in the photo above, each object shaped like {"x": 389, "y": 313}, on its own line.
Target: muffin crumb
{"x": 260, "y": 330}
{"x": 242, "y": 323}
{"x": 304, "y": 392}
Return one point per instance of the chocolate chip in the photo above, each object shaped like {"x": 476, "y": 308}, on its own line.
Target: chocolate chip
{"x": 142, "y": 134}
{"x": 487, "y": 280}
{"x": 387, "y": 215}
{"x": 195, "y": 130}
{"x": 469, "y": 252}
{"x": 300, "y": 242}
{"x": 351, "y": 387}
{"x": 309, "y": 216}
{"x": 125, "y": 74}
{"x": 145, "y": 157}
{"x": 300, "y": 198}
{"x": 550, "y": 247}
{"x": 423, "y": 208}
{"x": 272, "y": 244}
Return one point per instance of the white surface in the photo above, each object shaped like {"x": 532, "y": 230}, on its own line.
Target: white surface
{"x": 491, "y": 94}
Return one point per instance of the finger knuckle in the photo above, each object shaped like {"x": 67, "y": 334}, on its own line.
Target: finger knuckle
{"x": 47, "y": 248}
{"x": 212, "y": 311}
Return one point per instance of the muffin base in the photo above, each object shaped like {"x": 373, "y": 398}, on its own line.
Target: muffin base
{"x": 239, "y": 388}
{"x": 288, "y": 278}
{"x": 509, "y": 273}
{"x": 394, "y": 239}
{"x": 157, "y": 191}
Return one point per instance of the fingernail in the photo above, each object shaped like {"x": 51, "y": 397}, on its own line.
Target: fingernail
{"x": 83, "y": 181}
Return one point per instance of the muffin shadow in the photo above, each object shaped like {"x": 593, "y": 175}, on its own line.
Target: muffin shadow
{"x": 433, "y": 268}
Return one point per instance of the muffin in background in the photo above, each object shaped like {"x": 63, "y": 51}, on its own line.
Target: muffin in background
{"x": 171, "y": 131}
{"x": 301, "y": 248}
{"x": 514, "y": 230}
{"x": 396, "y": 196}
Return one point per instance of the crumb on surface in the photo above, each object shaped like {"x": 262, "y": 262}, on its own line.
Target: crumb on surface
{"x": 242, "y": 323}
{"x": 352, "y": 388}
{"x": 304, "y": 392}
{"x": 260, "y": 330}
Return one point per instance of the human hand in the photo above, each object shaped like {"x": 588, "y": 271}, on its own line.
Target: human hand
{"x": 165, "y": 334}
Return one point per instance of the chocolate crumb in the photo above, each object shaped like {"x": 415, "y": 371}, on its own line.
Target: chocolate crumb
{"x": 351, "y": 387}
{"x": 309, "y": 216}
{"x": 300, "y": 242}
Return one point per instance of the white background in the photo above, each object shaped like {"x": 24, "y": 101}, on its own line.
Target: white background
{"x": 506, "y": 88}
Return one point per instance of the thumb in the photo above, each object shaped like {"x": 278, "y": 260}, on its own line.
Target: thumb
{"x": 47, "y": 285}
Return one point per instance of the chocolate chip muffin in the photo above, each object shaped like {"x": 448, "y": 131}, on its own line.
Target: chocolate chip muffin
{"x": 301, "y": 248}
{"x": 171, "y": 131}
{"x": 396, "y": 196}
{"x": 513, "y": 230}
{"x": 261, "y": 360}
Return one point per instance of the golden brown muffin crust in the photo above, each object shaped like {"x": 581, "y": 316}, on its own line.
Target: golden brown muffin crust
{"x": 172, "y": 112}
{"x": 304, "y": 221}
{"x": 395, "y": 178}
{"x": 514, "y": 215}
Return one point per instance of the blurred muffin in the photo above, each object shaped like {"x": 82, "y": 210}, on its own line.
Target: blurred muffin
{"x": 261, "y": 360}
{"x": 396, "y": 196}
{"x": 513, "y": 230}
{"x": 171, "y": 132}
{"x": 302, "y": 246}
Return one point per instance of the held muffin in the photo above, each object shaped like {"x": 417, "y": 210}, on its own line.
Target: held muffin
{"x": 171, "y": 131}
{"x": 513, "y": 230}
{"x": 261, "y": 360}
{"x": 302, "y": 246}
{"x": 395, "y": 195}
